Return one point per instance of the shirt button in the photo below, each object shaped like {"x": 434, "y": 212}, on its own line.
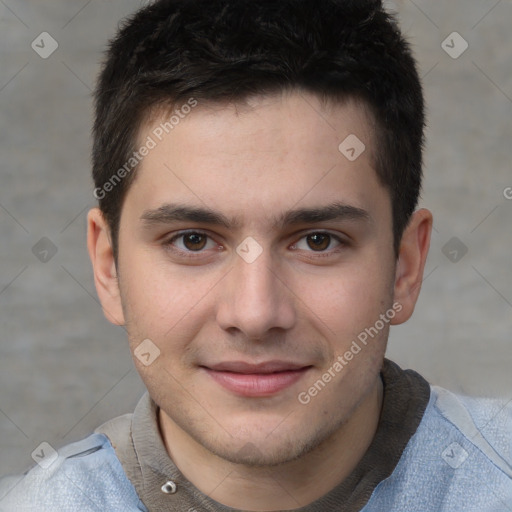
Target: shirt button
{"x": 169, "y": 487}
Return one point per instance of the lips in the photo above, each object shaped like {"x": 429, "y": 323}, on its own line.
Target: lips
{"x": 256, "y": 380}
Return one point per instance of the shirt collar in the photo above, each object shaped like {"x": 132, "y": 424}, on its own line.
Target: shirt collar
{"x": 161, "y": 485}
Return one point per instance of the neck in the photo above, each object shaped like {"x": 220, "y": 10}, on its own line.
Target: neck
{"x": 285, "y": 487}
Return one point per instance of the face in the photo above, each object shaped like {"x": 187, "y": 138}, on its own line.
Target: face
{"x": 254, "y": 255}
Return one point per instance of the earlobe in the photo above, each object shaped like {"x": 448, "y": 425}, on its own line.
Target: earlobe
{"x": 413, "y": 253}
{"x": 105, "y": 273}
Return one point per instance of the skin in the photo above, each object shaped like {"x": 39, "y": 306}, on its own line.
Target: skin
{"x": 297, "y": 301}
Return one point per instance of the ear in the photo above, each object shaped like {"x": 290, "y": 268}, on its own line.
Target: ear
{"x": 103, "y": 264}
{"x": 411, "y": 264}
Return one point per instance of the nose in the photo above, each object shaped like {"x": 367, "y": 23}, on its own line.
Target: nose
{"x": 255, "y": 299}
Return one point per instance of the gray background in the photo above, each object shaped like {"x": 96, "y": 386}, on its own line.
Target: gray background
{"x": 64, "y": 369}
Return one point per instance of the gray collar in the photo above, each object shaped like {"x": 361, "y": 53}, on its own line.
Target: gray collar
{"x": 161, "y": 486}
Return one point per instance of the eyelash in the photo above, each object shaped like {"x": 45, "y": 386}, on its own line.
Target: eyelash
{"x": 168, "y": 244}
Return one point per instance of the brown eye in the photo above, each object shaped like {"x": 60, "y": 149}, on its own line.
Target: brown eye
{"x": 318, "y": 241}
{"x": 191, "y": 244}
{"x": 194, "y": 241}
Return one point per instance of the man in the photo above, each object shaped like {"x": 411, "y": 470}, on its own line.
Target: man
{"x": 258, "y": 166}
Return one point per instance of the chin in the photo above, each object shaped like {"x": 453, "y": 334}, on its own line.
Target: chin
{"x": 266, "y": 449}
{"x": 262, "y": 454}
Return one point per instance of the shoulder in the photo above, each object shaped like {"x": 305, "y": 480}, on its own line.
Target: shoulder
{"x": 460, "y": 458}
{"x": 484, "y": 422}
{"x": 85, "y": 475}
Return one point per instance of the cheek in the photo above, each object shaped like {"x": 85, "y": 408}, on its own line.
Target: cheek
{"x": 349, "y": 300}
{"x": 162, "y": 302}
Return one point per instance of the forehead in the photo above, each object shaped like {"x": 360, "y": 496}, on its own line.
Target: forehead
{"x": 293, "y": 115}
{"x": 261, "y": 156}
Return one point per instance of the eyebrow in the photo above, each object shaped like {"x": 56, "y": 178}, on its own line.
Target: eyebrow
{"x": 171, "y": 212}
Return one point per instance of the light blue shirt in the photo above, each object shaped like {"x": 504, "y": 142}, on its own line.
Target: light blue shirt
{"x": 458, "y": 460}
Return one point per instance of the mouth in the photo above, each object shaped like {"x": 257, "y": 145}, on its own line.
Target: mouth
{"x": 256, "y": 380}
